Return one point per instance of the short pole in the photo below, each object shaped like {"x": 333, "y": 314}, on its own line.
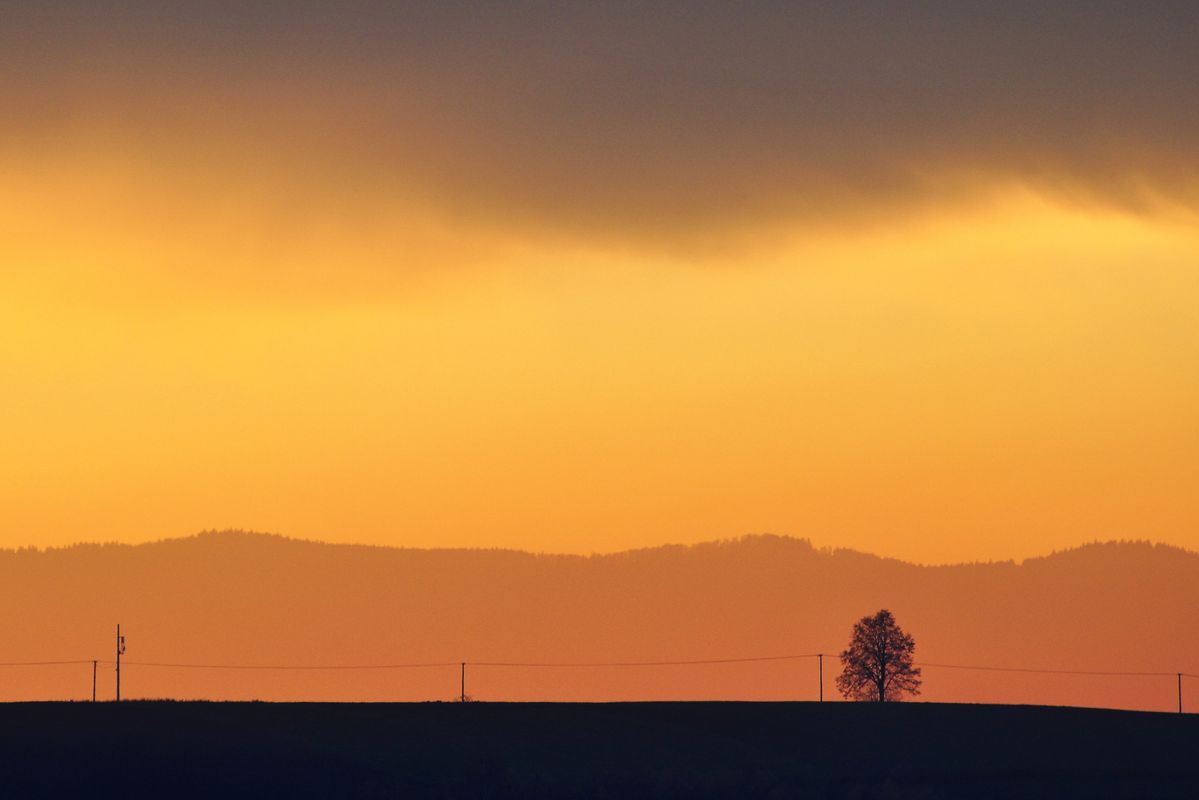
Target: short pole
{"x": 820, "y": 661}
{"x": 1180, "y": 693}
{"x": 93, "y": 680}
{"x": 119, "y": 648}
{"x": 462, "y": 691}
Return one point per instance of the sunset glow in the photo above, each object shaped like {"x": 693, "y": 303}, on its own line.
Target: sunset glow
{"x": 266, "y": 276}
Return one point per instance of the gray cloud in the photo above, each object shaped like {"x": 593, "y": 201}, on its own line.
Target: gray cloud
{"x": 641, "y": 119}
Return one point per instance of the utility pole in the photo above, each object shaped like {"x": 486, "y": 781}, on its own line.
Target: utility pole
{"x": 462, "y": 694}
{"x": 93, "y": 680}
{"x": 1180, "y": 693}
{"x": 820, "y": 661}
{"x": 120, "y": 652}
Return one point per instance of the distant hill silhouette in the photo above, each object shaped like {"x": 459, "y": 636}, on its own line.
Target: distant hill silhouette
{"x": 243, "y": 598}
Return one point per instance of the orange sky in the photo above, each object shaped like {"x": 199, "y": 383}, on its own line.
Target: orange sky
{"x": 402, "y": 313}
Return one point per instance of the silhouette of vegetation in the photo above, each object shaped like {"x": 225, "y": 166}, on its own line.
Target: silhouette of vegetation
{"x": 877, "y": 666}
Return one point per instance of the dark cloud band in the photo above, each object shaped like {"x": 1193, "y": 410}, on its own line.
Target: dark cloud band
{"x": 638, "y": 119}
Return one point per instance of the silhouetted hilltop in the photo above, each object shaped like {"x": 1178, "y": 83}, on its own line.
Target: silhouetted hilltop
{"x": 243, "y": 598}
{"x": 609, "y": 750}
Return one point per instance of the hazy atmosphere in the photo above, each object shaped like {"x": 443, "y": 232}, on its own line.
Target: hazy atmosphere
{"x": 914, "y": 278}
{"x": 599, "y": 399}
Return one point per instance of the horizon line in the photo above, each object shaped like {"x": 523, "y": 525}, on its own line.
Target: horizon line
{"x": 829, "y": 550}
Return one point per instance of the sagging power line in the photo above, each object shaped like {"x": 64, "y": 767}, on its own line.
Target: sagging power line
{"x": 118, "y": 662}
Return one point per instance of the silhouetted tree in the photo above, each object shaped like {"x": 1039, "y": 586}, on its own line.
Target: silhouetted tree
{"x": 877, "y": 665}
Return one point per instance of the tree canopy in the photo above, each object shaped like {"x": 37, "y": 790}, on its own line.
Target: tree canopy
{"x": 877, "y": 666}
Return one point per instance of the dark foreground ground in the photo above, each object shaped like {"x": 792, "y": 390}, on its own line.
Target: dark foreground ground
{"x": 620, "y": 750}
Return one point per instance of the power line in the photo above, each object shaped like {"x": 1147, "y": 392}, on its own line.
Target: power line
{"x": 637, "y": 663}
{"x": 462, "y": 665}
{"x": 320, "y": 667}
{"x": 543, "y": 664}
{"x": 580, "y": 665}
{"x": 1048, "y": 671}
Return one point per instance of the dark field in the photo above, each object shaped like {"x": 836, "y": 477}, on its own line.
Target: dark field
{"x": 141, "y": 749}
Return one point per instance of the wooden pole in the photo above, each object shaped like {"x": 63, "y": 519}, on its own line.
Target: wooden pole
{"x": 1180, "y": 693}
{"x": 93, "y": 680}
{"x": 820, "y": 659}
{"x": 118, "y": 662}
{"x": 462, "y": 694}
